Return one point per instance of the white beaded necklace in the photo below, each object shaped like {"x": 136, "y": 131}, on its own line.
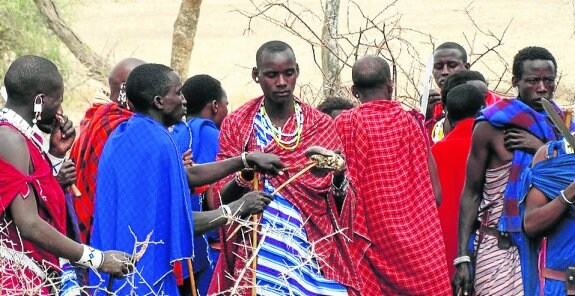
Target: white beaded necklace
{"x": 24, "y": 127}
{"x": 293, "y": 138}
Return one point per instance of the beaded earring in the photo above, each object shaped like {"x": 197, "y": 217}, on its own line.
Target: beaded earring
{"x": 122, "y": 97}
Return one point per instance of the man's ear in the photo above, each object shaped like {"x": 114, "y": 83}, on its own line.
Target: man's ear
{"x": 467, "y": 66}
{"x": 255, "y": 73}
{"x": 158, "y": 103}
{"x": 390, "y": 88}
{"x": 297, "y": 68}
{"x": 354, "y": 91}
{"x": 514, "y": 81}
{"x": 214, "y": 107}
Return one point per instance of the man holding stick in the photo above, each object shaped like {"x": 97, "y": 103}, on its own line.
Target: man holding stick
{"x": 300, "y": 243}
{"x": 142, "y": 187}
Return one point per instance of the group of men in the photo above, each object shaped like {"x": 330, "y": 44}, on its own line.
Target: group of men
{"x": 215, "y": 204}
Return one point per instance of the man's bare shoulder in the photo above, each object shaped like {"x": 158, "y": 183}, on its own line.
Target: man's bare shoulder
{"x": 13, "y": 148}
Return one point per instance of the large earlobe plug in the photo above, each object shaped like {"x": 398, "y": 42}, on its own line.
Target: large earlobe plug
{"x": 38, "y": 102}
{"x": 256, "y": 79}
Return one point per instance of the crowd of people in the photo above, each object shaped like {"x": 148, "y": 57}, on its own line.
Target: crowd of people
{"x": 162, "y": 192}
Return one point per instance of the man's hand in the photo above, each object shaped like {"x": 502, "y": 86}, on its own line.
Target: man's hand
{"x": 519, "y": 139}
{"x": 251, "y": 203}
{"x": 187, "y": 158}
{"x": 462, "y": 282}
{"x": 327, "y": 161}
{"x": 434, "y": 99}
{"x": 62, "y": 137}
{"x": 116, "y": 263}
{"x": 265, "y": 162}
{"x": 67, "y": 174}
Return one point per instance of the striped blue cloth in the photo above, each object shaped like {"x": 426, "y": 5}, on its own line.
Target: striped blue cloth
{"x": 286, "y": 264}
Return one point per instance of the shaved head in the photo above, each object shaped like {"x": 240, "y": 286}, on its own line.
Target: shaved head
{"x": 371, "y": 78}
{"x": 29, "y": 76}
{"x": 119, "y": 75}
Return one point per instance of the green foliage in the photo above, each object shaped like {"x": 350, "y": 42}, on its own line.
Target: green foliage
{"x": 23, "y": 31}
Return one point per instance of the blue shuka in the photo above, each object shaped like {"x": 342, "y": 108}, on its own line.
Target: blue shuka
{"x": 142, "y": 187}
{"x": 551, "y": 176}
{"x": 201, "y": 136}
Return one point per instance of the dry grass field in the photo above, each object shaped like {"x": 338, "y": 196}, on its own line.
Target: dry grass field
{"x": 118, "y": 29}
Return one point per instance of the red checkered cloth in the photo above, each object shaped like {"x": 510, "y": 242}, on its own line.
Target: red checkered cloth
{"x": 386, "y": 157}
{"x": 98, "y": 124}
{"x": 310, "y": 194}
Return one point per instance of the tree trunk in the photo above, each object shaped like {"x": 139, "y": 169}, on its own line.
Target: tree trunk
{"x": 185, "y": 28}
{"x": 98, "y": 68}
{"x": 329, "y": 61}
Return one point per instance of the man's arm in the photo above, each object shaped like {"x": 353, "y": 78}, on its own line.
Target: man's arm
{"x": 24, "y": 211}
{"x": 433, "y": 174}
{"x": 540, "y": 213}
{"x": 208, "y": 173}
{"x": 471, "y": 198}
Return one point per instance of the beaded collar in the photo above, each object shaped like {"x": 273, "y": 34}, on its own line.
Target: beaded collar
{"x": 24, "y": 127}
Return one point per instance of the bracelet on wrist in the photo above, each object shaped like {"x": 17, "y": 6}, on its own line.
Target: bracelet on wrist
{"x": 241, "y": 181}
{"x": 564, "y": 199}
{"x": 461, "y": 259}
{"x": 245, "y": 159}
{"x": 91, "y": 257}
{"x": 227, "y": 213}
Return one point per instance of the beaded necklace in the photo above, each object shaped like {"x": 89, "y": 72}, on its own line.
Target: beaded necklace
{"x": 292, "y": 139}
{"x": 24, "y": 127}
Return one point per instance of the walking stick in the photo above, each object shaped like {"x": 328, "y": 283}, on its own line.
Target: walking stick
{"x": 254, "y": 219}
{"x": 192, "y": 279}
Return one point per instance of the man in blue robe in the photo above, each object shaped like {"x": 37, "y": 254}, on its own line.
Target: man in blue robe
{"x": 142, "y": 188}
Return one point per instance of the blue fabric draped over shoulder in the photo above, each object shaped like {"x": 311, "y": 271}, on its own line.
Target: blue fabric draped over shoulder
{"x": 142, "y": 188}
{"x": 550, "y": 176}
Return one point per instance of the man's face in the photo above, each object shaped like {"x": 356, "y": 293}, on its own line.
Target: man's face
{"x": 51, "y": 105}
{"x": 537, "y": 81}
{"x": 222, "y": 106}
{"x": 277, "y": 75}
{"x": 173, "y": 102}
{"x": 446, "y": 62}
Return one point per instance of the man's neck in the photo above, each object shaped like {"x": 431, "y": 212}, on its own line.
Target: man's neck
{"x": 372, "y": 99}
{"x": 23, "y": 111}
{"x": 279, "y": 113}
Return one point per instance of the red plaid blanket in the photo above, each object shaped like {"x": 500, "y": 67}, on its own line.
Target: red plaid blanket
{"x": 386, "y": 156}
{"x": 98, "y": 124}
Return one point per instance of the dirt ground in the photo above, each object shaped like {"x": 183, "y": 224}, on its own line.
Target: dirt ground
{"x": 118, "y": 29}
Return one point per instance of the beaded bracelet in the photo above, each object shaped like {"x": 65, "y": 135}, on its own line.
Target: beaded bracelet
{"x": 91, "y": 257}
{"x": 227, "y": 213}
{"x": 461, "y": 259}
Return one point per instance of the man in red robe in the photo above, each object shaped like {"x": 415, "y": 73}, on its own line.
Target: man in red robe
{"x": 312, "y": 211}
{"x": 98, "y": 124}
{"x": 463, "y": 104}
{"x": 32, "y": 204}
{"x": 387, "y": 159}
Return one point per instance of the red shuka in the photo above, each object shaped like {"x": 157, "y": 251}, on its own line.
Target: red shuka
{"x": 310, "y": 194}
{"x": 386, "y": 155}
{"x": 451, "y": 159}
{"x": 49, "y": 200}
{"x": 98, "y": 124}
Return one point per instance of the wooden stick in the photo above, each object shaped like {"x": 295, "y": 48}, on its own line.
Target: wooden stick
{"x": 192, "y": 279}
{"x": 75, "y": 191}
{"x": 568, "y": 116}
{"x": 307, "y": 168}
{"x": 254, "y": 219}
